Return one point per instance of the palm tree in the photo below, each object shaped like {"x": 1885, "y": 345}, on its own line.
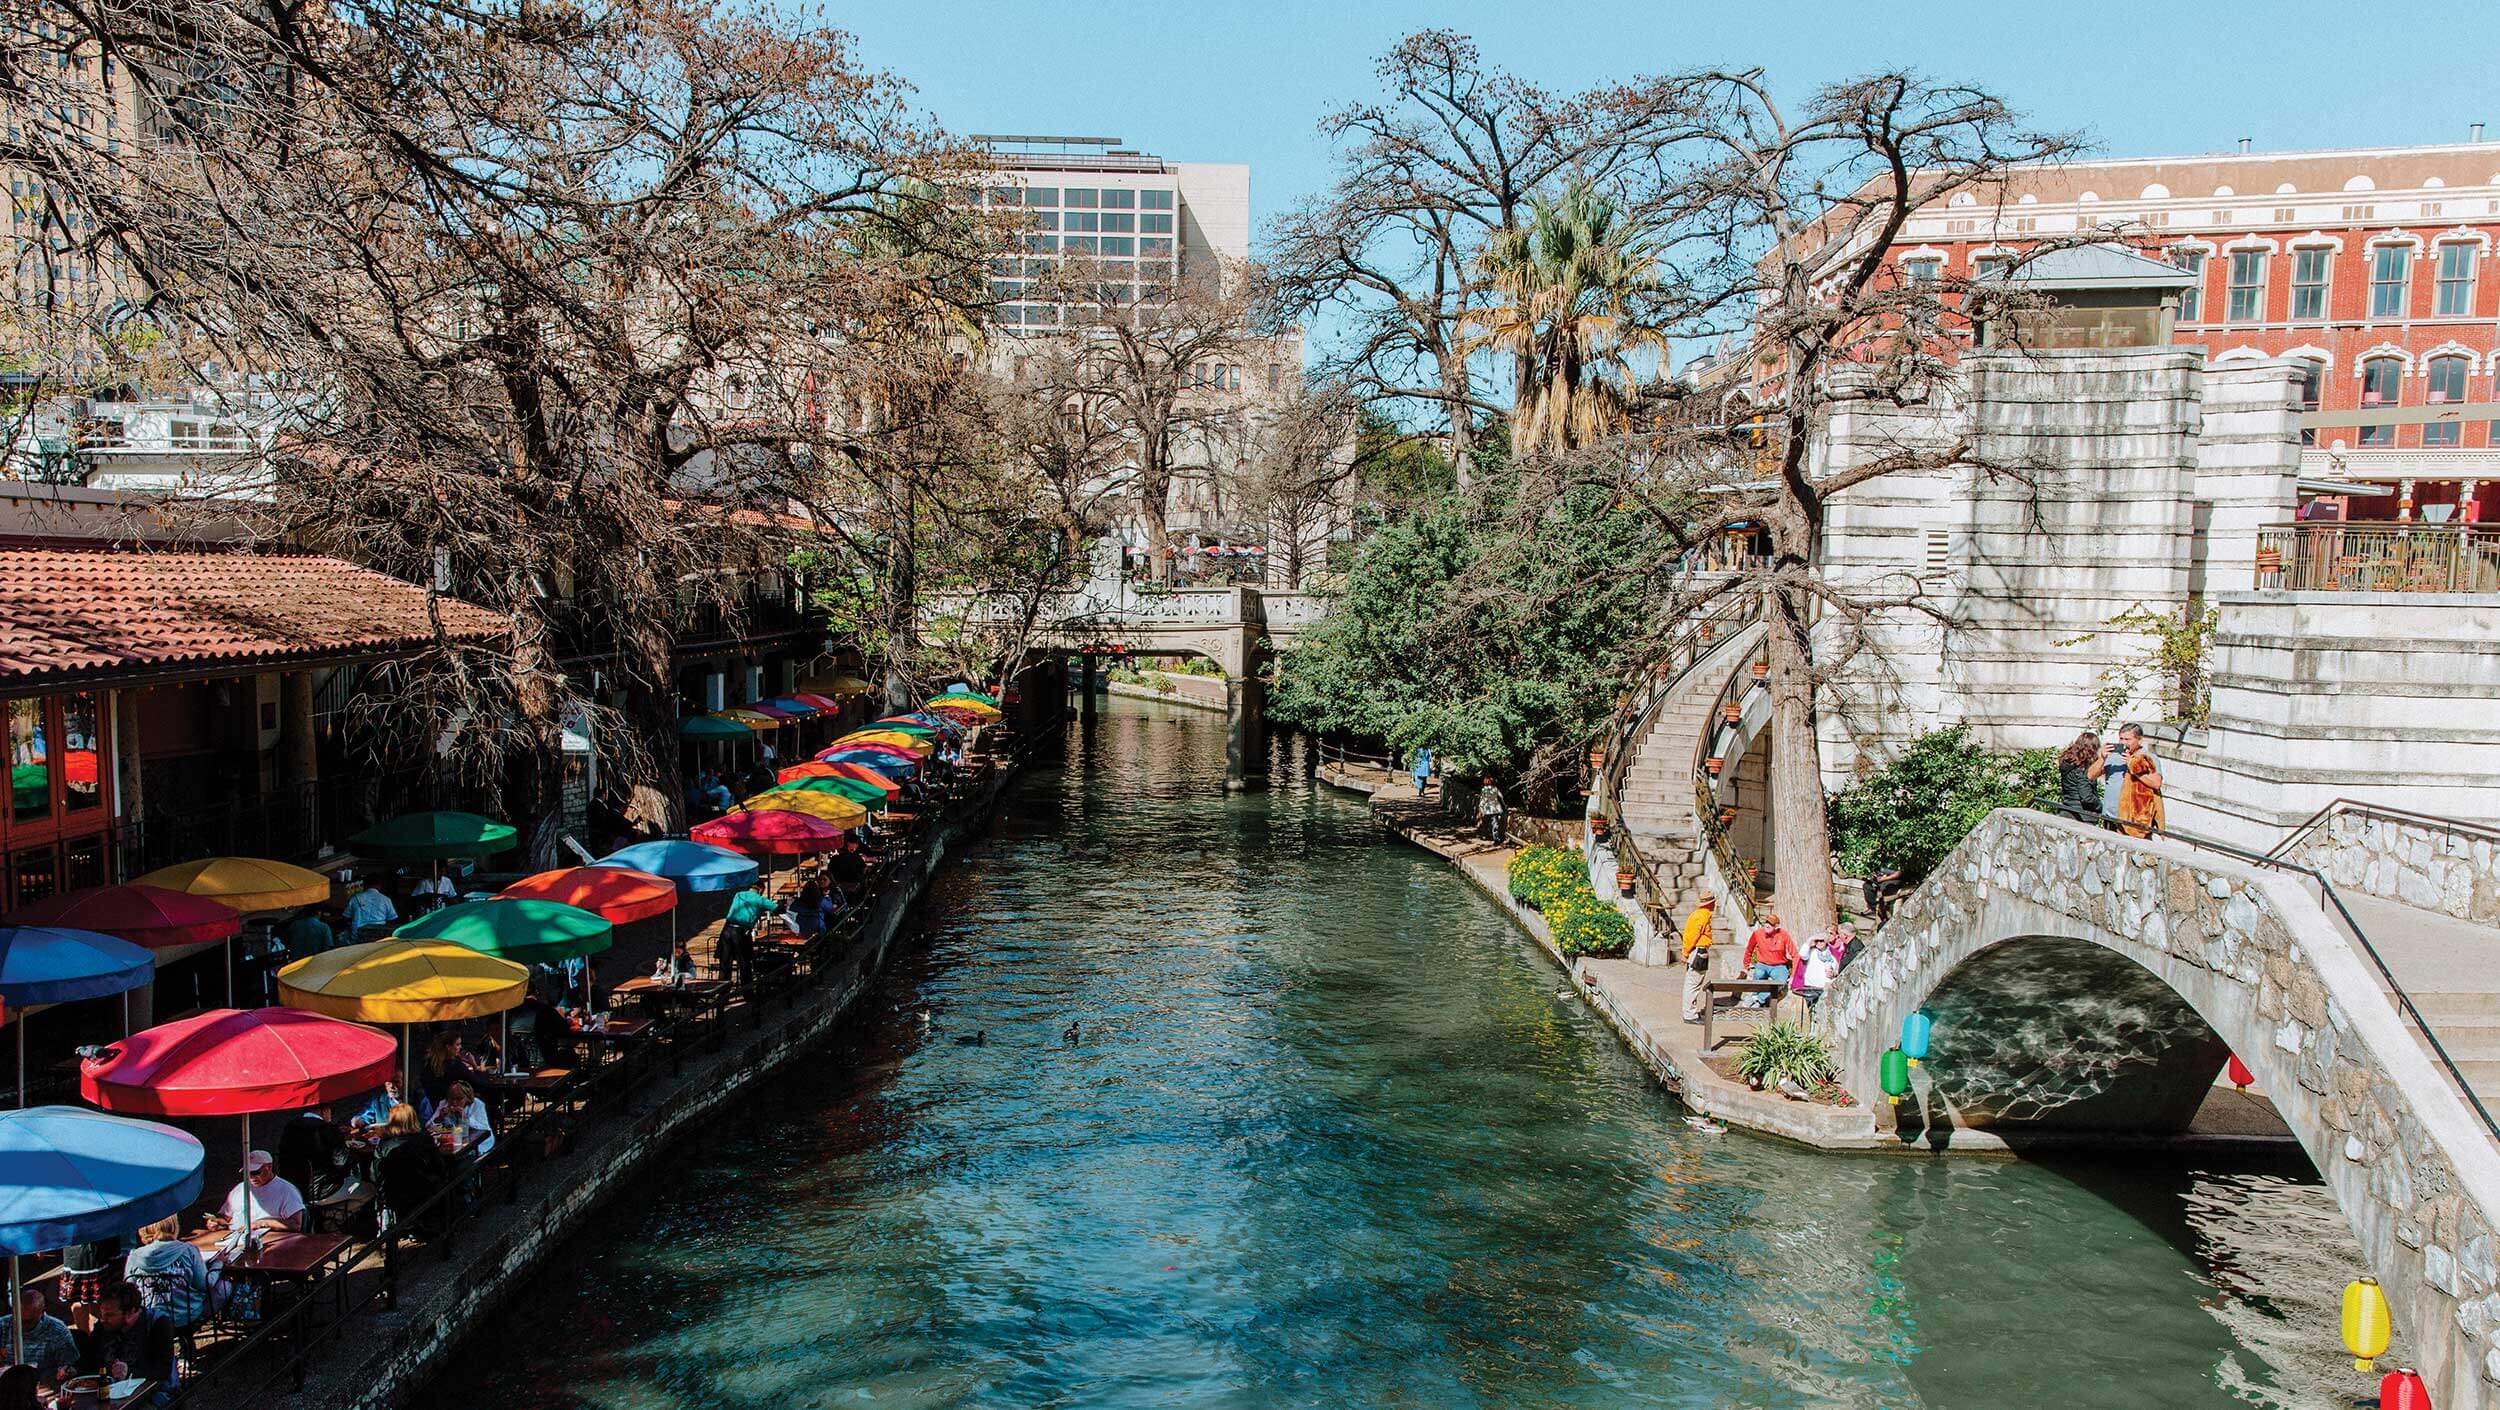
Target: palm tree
{"x": 1571, "y": 281}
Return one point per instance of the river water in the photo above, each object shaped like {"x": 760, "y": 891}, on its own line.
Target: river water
{"x": 1330, "y": 1136}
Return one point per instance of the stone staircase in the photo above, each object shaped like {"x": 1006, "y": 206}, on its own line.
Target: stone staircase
{"x": 1656, "y": 801}
{"x": 2447, "y": 970}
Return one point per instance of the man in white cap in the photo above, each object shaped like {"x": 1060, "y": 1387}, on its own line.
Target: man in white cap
{"x": 276, "y": 1205}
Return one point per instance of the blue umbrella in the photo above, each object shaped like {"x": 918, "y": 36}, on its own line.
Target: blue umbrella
{"x": 49, "y": 964}
{"x": 72, "y": 1176}
{"x": 884, "y": 763}
{"x": 690, "y": 864}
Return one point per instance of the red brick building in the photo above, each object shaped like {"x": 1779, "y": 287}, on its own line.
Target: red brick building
{"x": 2375, "y": 268}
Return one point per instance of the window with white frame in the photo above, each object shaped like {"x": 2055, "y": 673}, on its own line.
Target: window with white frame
{"x": 2382, "y": 385}
{"x": 2310, "y": 271}
{"x": 1922, "y": 272}
{"x": 2191, "y": 298}
{"x": 2245, "y": 297}
{"x": 2452, "y": 293}
{"x": 2443, "y": 385}
{"x": 2391, "y": 281}
{"x": 2310, "y": 379}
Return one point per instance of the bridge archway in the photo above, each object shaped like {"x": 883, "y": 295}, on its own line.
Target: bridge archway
{"x": 2246, "y": 955}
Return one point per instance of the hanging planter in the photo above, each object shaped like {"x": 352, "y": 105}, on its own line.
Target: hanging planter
{"x": 1727, "y": 816}
{"x": 1761, "y": 669}
{"x": 2269, "y": 560}
{"x": 1708, "y": 629}
{"x": 1714, "y": 763}
{"x": 1732, "y": 712}
{"x": 1624, "y": 881}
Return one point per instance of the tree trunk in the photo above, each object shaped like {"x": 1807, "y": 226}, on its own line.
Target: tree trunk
{"x": 1454, "y": 399}
{"x": 655, "y": 800}
{"x": 1154, "y": 486}
{"x": 1801, "y": 835}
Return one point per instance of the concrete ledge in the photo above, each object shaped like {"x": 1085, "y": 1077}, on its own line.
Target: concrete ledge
{"x": 1181, "y": 696}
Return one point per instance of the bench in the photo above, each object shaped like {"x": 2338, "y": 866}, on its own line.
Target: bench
{"x": 1710, "y": 1000}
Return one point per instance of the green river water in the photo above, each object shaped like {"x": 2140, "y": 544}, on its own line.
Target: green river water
{"x": 1331, "y": 1137}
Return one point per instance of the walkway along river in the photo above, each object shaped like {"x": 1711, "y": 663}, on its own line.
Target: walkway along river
{"x": 1326, "y": 1135}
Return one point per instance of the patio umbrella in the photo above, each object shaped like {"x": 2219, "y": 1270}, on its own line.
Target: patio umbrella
{"x": 792, "y": 706}
{"x": 143, "y": 915}
{"x": 234, "y": 1062}
{"x": 867, "y": 795}
{"x": 770, "y": 833}
{"x": 869, "y": 753}
{"x": 841, "y": 812}
{"x": 521, "y": 930}
{"x": 43, "y": 964}
{"x": 818, "y": 768}
{"x": 249, "y": 884}
{"x": 771, "y": 710}
{"x": 403, "y": 982}
{"x": 689, "y": 864}
{"x": 964, "y": 712}
{"x": 954, "y": 694}
{"x": 752, "y": 719}
{"x": 839, "y": 683}
{"x": 710, "y": 727}
{"x": 890, "y": 765}
{"x": 618, "y": 895}
{"x": 951, "y": 728}
{"x": 914, "y": 728}
{"x": 436, "y": 836}
{"x": 821, "y": 702}
{"x": 911, "y": 744}
{"x": 73, "y": 1176}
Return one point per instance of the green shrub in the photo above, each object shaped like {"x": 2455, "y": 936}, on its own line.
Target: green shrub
{"x": 1582, "y": 923}
{"x": 1775, "y": 1050}
{"x": 1908, "y": 814}
{"x": 1540, "y": 876}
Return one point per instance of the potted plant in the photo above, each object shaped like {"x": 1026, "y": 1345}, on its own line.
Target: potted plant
{"x": 1761, "y": 669}
{"x": 1714, "y": 763}
{"x": 1732, "y": 712}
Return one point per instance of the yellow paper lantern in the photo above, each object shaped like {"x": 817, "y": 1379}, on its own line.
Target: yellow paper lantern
{"x": 2366, "y": 1322}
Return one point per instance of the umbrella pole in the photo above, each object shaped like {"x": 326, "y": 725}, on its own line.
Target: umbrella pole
{"x": 21, "y": 1065}
{"x": 17, "y": 1323}
{"x": 246, "y": 1119}
{"x": 505, "y": 1047}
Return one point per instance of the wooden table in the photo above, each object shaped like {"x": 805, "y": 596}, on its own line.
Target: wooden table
{"x": 1710, "y": 999}
{"x": 136, "y": 1397}
{"x": 532, "y": 1084}
{"x": 279, "y": 1255}
{"x": 685, "y": 991}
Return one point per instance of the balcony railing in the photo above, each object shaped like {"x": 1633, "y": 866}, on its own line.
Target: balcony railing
{"x": 2341, "y": 557}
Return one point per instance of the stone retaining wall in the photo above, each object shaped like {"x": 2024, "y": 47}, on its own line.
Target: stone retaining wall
{"x": 2452, "y": 870}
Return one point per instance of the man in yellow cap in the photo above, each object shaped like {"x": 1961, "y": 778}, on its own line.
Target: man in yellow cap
{"x": 1697, "y": 958}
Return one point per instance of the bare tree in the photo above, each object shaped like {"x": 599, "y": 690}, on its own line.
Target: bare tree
{"x": 1298, "y": 472}
{"x": 566, "y": 289}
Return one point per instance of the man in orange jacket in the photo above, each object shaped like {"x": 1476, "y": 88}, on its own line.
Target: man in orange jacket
{"x": 1697, "y": 958}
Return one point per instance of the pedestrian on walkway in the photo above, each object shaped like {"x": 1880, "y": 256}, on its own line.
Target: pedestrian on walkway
{"x": 1697, "y": 938}
{"x": 370, "y": 911}
{"x": 2078, "y": 778}
{"x": 1769, "y": 953}
{"x": 2140, "y": 811}
{"x": 1491, "y": 811}
{"x": 1423, "y": 769}
{"x": 735, "y": 952}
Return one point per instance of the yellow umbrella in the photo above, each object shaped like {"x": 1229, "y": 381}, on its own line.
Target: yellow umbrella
{"x": 403, "y": 981}
{"x": 919, "y": 747}
{"x": 830, "y": 807}
{"x": 751, "y": 719}
{"x": 246, "y": 883}
{"x": 840, "y": 683}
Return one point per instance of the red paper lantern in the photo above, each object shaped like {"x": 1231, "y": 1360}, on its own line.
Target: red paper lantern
{"x": 2403, "y": 1390}
{"x": 2240, "y": 1076}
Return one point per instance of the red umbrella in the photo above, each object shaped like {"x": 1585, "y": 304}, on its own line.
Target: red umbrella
{"x": 769, "y": 832}
{"x": 228, "y": 1062}
{"x": 620, "y": 895}
{"x": 822, "y": 702}
{"x": 233, "y": 1062}
{"x": 143, "y": 915}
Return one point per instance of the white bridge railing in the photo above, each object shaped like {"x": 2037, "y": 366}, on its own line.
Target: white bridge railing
{"x": 1102, "y": 607}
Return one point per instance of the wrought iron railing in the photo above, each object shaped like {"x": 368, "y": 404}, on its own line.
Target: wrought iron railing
{"x": 1689, "y": 643}
{"x": 1716, "y": 741}
{"x": 2341, "y": 557}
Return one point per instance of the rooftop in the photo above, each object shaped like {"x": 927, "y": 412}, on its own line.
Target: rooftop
{"x": 113, "y": 616}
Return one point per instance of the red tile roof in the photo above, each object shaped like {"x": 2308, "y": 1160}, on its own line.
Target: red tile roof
{"x": 95, "y": 615}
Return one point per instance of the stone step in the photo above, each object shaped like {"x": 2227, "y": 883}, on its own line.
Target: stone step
{"x": 2461, "y": 1006}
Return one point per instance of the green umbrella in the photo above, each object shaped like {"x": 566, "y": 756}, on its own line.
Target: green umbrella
{"x": 423, "y": 836}
{"x": 851, "y": 788}
{"x": 960, "y": 694}
{"x": 712, "y": 727}
{"x": 518, "y": 929}
{"x": 911, "y": 727}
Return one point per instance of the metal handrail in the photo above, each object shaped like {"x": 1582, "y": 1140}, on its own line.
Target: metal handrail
{"x": 2486, "y": 831}
{"x": 1706, "y": 806}
{"x": 2330, "y": 900}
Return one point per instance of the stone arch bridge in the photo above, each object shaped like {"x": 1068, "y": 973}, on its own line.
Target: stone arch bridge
{"x": 2087, "y": 985}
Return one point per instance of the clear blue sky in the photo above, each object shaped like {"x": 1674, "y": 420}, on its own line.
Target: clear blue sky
{"x": 1246, "y": 82}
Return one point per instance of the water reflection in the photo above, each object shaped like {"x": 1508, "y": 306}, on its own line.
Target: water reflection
{"x": 1327, "y": 1137}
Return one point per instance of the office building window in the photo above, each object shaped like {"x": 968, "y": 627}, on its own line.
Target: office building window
{"x": 1120, "y": 245}
{"x": 2311, "y": 384}
{"x": 2382, "y": 385}
{"x": 1155, "y": 224}
{"x": 1076, "y": 196}
{"x": 2245, "y": 299}
{"x": 2453, "y": 296}
{"x": 1151, "y": 246}
{"x": 1114, "y": 199}
{"x": 1040, "y": 244}
{"x": 2309, "y": 276}
{"x": 1044, "y": 220}
{"x": 2444, "y": 385}
{"x": 1041, "y": 195}
{"x": 1081, "y": 220}
{"x": 2391, "y": 281}
{"x": 1123, "y": 223}
{"x": 1155, "y": 200}
{"x": 1077, "y": 244}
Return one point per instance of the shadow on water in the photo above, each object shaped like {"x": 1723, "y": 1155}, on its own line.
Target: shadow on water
{"x": 1327, "y": 1136}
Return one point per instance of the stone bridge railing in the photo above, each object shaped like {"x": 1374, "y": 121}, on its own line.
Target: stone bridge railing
{"x": 1108, "y": 607}
{"x": 2268, "y": 974}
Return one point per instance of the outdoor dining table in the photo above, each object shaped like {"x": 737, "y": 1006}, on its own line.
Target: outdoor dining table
{"x": 542, "y": 1083}
{"x": 138, "y": 1394}
{"x": 279, "y": 1257}
{"x": 694, "y": 992}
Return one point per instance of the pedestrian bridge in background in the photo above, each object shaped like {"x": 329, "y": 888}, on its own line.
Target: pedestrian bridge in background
{"x": 2088, "y": 985}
